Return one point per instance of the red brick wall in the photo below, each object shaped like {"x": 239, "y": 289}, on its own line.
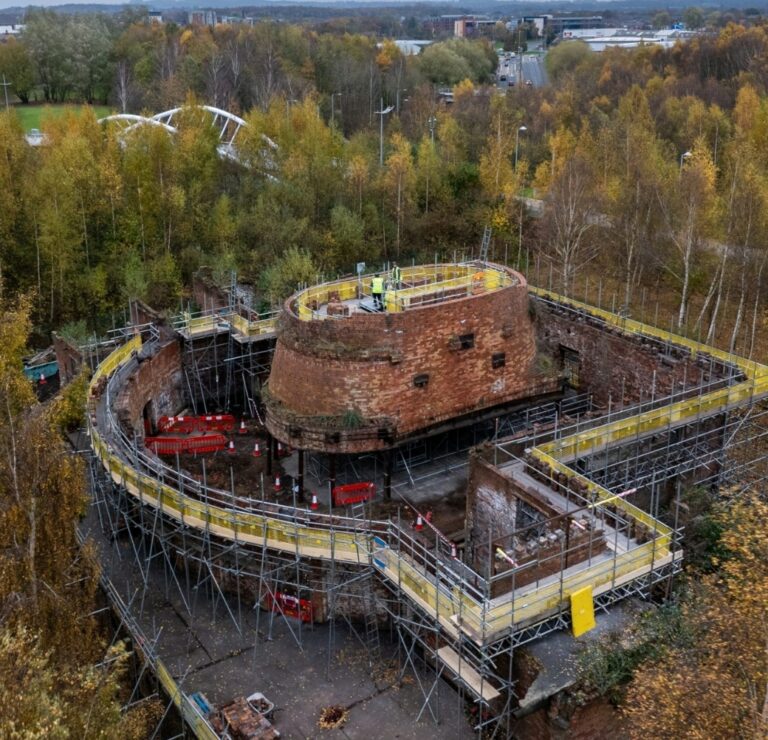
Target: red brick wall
{"x": 68, "y": 357}
{"x": 491, "y": 509}
{"x": 611, "y": 360}
{"x": 368, "y": 362}
{"x": 158, "y": 380}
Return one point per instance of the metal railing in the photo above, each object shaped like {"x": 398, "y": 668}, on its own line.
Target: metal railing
{"x": 431, "y": 284}
{"x": 423, "y": 574}
{"x": 223, "y": 320}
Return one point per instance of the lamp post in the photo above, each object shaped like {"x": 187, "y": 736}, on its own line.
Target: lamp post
{"x": 381, "y": 113}
{"x": 397, "y": 99}
{"x": 521, "y": 129}
{"x": 683, "y": 157}
{"x": 333, "y": 109}
{"x": 432, "y": 122}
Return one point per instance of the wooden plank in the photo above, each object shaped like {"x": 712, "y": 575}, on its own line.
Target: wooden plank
{"x": 467, "y": 674}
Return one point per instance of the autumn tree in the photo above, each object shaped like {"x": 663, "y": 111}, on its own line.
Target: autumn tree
{"x": 570, "y": 220}
{"x": 48, "y": 642}
{"x": 713, "y": 679}
{"x": 689, "y": 205}
{"x": 399, "y": 180}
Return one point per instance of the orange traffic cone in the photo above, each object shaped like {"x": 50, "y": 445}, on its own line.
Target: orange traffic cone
{"x": 231, "y": 447}
{"x": 419, "y": 523}
{"x": 280, "y": 449}
{"x": 314, "y": 504}
{"x": 42, "y": 380}
{"x": 242, "y": 429}
{"x": 256, "y": 451}
{"x": 278, "y": 484}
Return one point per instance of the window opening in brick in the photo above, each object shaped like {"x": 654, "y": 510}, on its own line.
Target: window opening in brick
{"x": 421, "y": 380}
{"x": 498, "y": 359}
{"x": 466, "y": 341}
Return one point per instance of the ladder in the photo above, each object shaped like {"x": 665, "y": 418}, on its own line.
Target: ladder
{"x": 370, "y": 637}
{"x": 485, "y": 244}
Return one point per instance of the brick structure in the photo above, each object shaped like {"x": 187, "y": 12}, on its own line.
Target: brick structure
{"x": 493, "y": 502}
{"x": 69, "y": 358}
{"x": 366, "y": 381}
{"x": 608, "y": 362}
{"x": 152, "y": 391}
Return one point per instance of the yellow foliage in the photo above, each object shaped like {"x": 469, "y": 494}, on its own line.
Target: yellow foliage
{"x": 713, "y": 684}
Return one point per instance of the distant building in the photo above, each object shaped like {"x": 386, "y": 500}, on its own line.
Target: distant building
{"x": 155, "y": 17}
{"x": 554, "y": 25}
{"x": 11, "y": 30}
{"x": 599, "y": 39}
{"x": 202, "y": 18}
{"x": 472, "y": 26}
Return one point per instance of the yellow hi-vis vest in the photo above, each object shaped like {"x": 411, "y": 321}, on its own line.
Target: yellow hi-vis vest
{"x": 397, "y": 275}
{"x": 377, "y": 285}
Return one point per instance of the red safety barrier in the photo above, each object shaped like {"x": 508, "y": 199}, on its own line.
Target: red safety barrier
{"x": 353, "y": 493}
{"x": 188, "y": 424}
{"x": 216, "y": 423}
{"x": 172, "y": 445}
{"x": 290, "y": 606}
{"x": 179, "y": 424}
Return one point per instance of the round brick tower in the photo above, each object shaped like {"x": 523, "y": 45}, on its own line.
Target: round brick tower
{"x": 452, "y": 340}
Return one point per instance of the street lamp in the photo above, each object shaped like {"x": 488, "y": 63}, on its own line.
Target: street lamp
{"x": 683, "y": 157}
{"x": 333, "y": 110}
{"x": 520, "y": 130}
{"x": 432, "y": 122}
{"x": 381, "y": 113}
{"x": 397, "y": 99}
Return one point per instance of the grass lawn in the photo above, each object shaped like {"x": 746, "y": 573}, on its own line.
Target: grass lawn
{"x": 31, "y": 116}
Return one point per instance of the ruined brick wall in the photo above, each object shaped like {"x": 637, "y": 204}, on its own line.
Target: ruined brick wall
{"x": 492, "y": 502}
{"x": 368, "y": 364}
{"x": 156, "y": 381}
{"x": 206, "y": 294}
{"x": 69, "y": 358}
{"x": 611, "y": 361}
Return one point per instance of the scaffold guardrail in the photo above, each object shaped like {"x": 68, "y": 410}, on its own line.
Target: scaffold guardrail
{"x": 460, "y": 605}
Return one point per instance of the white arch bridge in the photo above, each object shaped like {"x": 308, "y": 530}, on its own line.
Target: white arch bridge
{"x": 227, "y": 125}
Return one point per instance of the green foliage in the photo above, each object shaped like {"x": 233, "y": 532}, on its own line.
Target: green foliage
{"x": 69, "y": 407}
{"x": 566, "y": 57}
{"x": 16, "y": 66}
{"x": 284, "y": 276}
{"x": 75, "y": 331}
{"x": 450, "y": 62}
{"x": 607, "y": 665}
{"x": 352, "y": 419}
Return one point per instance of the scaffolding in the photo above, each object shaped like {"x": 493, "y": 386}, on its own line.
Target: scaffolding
{"x": 452, "y": 620}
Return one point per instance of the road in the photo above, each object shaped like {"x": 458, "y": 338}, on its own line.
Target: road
{"x": 533, "y": 71}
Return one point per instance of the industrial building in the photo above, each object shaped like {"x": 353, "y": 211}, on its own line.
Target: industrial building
{"x": 574, "y": 430}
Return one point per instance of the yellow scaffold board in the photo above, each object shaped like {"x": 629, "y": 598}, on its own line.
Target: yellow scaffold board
{"x": 467, "y": 674}
{"x": 582, "y": 611}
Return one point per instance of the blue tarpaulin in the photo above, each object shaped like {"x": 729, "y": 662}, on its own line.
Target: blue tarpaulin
{"x": 35, "y": 373}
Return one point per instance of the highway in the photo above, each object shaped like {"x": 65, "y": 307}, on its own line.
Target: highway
{"x": 533, "y": 71}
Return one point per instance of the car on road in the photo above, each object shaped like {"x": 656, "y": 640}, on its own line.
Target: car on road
{"x": 511, "y": 82}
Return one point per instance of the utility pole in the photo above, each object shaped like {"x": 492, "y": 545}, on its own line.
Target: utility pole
{"x": 6, "y": 85}
{"x": 381, "y": 113}
{"x": 521, "y": 129}
{"x": 432, "y": 121}
{"x": 333, "y": 109}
